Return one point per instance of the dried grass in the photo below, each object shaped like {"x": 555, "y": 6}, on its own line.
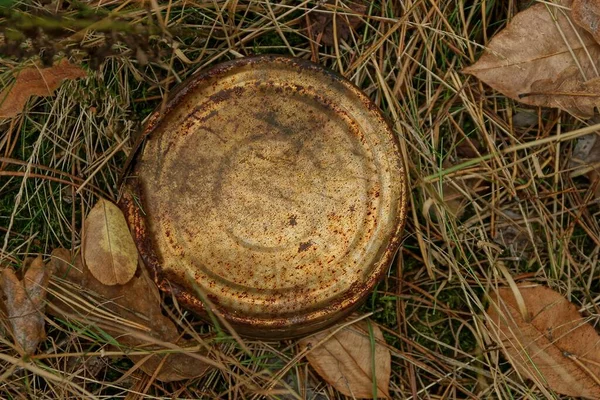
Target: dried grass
{"x": 67, "y": 150}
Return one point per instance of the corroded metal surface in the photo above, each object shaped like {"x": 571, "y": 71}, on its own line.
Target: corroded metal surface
{"x": 277, "y": 187}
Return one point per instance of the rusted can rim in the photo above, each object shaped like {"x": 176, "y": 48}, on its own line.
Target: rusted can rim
{"x": 286, "y": 324}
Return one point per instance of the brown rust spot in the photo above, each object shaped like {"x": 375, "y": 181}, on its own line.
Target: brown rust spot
{"x": 292, "y": 220}
{"x": 294, "y": 151}
{"x": 304, "y": 246}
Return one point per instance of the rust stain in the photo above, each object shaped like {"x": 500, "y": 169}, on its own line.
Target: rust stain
{"x": 292, "y": 220}
{"x": 304, "y": 246}
{"x": 260, "y": 144}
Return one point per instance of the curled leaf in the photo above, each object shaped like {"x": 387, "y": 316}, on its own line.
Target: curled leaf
{"x": 35, "y": 81}
{"x": 346, "y": 360}
{"x": 109, "y": 250}
{"x": 25, "y": 303}
{"x": 552, "y": 344}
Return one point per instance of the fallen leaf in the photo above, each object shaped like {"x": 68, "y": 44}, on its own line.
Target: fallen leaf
{"x": 541, "y": 46}
{"x": 137, "y": 302}
{"x": 35, "y": 81}
{"x": 568, "y": 92}
{"x": 586, "y": 14}
{"x": 525, "y": 119}
{"x": 174, "y": 367}
{"x": 552, "y": 344}
{"x": 346, "y": 359}
{"x": 321, "y": 22}
{"x": 109, "y": 250}
{"x": 469, "y": 148}
{"x": 295, "y": 383}
{"x": 586, "y": 159}
{"x": 24, "y": 301}
{"x": 512, "y": 234}
{"x": 454, "y": 199}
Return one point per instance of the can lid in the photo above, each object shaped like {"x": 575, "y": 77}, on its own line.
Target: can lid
{"x": 277, "y": 186}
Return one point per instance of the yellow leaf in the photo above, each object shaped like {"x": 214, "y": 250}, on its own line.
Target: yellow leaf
{"x": 109, "y": 251}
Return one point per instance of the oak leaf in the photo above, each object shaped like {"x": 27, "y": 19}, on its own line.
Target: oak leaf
{"x": 539, "y": 52}
{"x": 345, "y": 360}
{"x": 551, "y": 344}
{"x": 109, "y": 250}
{"x": 138, "y": 302}
{"x": 35, "y": 81}
{"x": 24, "y": 302}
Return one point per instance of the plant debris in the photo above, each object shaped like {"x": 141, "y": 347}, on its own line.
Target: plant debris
{"x": 24, "y": 303}
{"x": 453, "y": 197}
{"x": 568, "y": 92}
{"x": 541, "y": 58}
{"x": 136, "y": 304}
{"x": 346, "y": 360}
{"x": 109, "y": 250}
{"x": 586, "y": 14}
{"x": 585, "y": 160}
{"x": 546, "y": 339}
{"x": 35, "y": 81}
{"x": 514, "y": 237}
{"x": 322, "y": 21}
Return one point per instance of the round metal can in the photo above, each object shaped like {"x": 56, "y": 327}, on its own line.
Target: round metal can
{"x": 271, "y": 189}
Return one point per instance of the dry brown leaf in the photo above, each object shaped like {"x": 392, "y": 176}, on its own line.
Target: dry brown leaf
{"x": 586, "y": 14}
{"x": 346, "y": 359}
{"x": 175, "y": 367}
{"x": 137, "y": 301}
{"x": 469, "y": 148}
{"x": 24, "y": 302}
{"x": 539, "y": 45}
{"x": 109, "y": 250}
{"x": 35, "y": 81}
{"x": 512, "y": 234}
{"x": 321, "y": 22}
{"x": 568, "y": 92}
{"x": 553, "y": 345}
{"x": 454, "y": 199}
{"x": 526, "y": 119}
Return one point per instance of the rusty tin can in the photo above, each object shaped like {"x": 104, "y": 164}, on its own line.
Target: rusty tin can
{"x": 272, "y": 187}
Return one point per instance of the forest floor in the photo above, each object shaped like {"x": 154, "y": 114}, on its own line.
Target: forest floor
{"x": 492, "y": 201}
